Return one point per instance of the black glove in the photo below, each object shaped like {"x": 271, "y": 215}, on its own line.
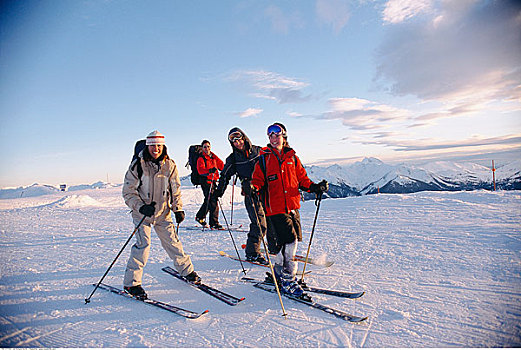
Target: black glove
{"x": 179, "y": 216}
{"x": 247, "y": 188}
{"x": 319, "y": 188}
{"x": 148, "y": 209}
{"x": 212, "y": 170}
{"x": 218, "y": 193}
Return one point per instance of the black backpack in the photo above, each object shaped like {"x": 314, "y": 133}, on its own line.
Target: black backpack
{"x": 194, "y": 152}
{"x": 138, "y": 147}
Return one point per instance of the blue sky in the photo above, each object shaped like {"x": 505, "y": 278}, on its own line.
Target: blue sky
{"x": 400, "y": 80}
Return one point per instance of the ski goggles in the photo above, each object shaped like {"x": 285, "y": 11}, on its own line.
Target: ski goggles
{"x": 235, "y": 136}
{"x": 275, "y": 129}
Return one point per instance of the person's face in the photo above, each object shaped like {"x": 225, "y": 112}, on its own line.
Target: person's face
{"x": 239, "y": 144}
{"x": 155, "y": 150}
{"x": 207, "y": 148}
{"x": 277, "y": 141}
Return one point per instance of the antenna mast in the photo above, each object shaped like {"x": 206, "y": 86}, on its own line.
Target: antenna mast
{"x": 494, "y": 175}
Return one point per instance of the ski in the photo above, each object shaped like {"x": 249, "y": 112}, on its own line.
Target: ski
{"x": 302, "y": 258}
{"x": 207, "y": 228}
{"x": 312, "y": 261}
{"x": 222, "y": 253}
{"x": 177, "y": 310}
{"x": 222, "y": 296}
{"x": 337, "y": 293}
{"x": 305, "y": 287}
{"x": 337, "y": 313}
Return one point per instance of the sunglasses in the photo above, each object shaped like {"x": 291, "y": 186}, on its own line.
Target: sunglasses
{"x": 275, "y": 129}
{"x": 235, "y": 136}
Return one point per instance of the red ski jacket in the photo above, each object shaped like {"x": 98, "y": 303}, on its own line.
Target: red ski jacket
{"x": 209, "y": 161}
{"x": 280, "y": 176}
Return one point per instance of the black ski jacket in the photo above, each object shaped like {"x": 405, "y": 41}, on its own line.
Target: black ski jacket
{"x": 239, "y": 162}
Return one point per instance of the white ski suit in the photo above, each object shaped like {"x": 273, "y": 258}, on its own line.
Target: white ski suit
{"x": 159, "y": 183}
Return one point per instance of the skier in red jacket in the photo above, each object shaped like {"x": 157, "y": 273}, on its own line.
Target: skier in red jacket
{"x": 208, "y": 166}
{"x": 277, "y": 177}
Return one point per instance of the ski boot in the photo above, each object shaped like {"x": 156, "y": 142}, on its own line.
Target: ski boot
{"x": 257, "y": 259}
{"x": 193, "y": 277}
{"x": 201, "y": 222}
{"x": 137, "y": 292}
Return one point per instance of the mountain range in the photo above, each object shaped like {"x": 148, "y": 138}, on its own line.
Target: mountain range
{"x": 371, "y": 176}
{"x": 368, "y": 176}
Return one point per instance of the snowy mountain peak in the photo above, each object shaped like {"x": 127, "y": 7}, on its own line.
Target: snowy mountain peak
{"x": 371, "y": 161}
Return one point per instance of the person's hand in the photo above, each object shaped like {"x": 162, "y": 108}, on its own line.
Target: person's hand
{"x": 212, "y": 170}
{"x": 319, "y": 188}
{"x": 179, "y": 216}
{"x": 148, "y": 209}
{"x": 218, "y": 193}
{"x": 324, "y": 186}
{"x": 248, "y": 189}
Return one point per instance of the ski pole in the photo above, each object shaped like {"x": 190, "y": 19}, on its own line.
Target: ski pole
{"x": 87, "y": 300}
{"x": 233, "y": 240}
{"x": 254, "y": 200}
{"x": 207, "y": 209}
{"x": 233, "y": 190}
{"x": 317, "y": 203}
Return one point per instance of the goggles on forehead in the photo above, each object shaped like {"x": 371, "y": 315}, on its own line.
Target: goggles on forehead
{"x": 275, "y": 129}
{"x": 234, "y": 136}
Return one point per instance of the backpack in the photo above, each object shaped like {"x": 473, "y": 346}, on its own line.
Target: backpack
{"x": 194, "y": 152}
{"x": 138, "y": 147}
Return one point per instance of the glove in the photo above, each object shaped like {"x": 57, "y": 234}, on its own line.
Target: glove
{"x": 212, "y": 170}
{"x": 179, "y": 216}
{"x": 148, "y": 209}
{"x": 218, "y": 193}
{"x": 319, "y": 188}
{"x": 248, "y": 189}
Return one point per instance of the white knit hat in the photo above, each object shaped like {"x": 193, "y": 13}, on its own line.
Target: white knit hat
{"x": 155, "y": 138}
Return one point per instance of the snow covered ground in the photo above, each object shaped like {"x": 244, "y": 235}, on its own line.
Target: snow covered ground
{"x": 440, "y": 269}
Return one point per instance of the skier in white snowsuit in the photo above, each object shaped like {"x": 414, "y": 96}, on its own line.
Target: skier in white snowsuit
{"x": 152, "y": 188}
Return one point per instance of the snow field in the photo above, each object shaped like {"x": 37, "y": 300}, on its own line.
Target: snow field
{"x": 440, "y": 269}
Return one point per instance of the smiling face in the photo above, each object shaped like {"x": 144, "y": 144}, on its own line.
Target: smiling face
{"x": 277, "y": 141}
{"x": 239, "y": 144}
{"x": 155, "y": 150}
{"x": 207, "y": 148}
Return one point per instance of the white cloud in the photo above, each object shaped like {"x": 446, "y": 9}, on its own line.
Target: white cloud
{"x": 250, "y": 112}
{"x": 465, "y": 55}
{"x": 270, "y": 85}
{"x": 360, "y": 114}
{"x": 397, "y": 11}
{"x": 408, "y": 145}
{"x": 333, "y": 12}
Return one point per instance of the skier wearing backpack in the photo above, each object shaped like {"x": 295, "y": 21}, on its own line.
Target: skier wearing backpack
{"x": 242, "y": 161}
{"x": 208, "y": 166}
{"x": 152, "y": 189}
{"x": 278, "y": 175}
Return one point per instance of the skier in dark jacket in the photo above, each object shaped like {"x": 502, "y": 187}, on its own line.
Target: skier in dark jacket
{"x": 242, "y": 162}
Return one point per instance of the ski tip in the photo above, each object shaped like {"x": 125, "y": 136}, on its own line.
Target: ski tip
{"x": 205, "y": 312}
{"x": 241, "y": 299}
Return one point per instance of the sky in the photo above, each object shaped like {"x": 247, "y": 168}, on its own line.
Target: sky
{"x": 399, "y": 80}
